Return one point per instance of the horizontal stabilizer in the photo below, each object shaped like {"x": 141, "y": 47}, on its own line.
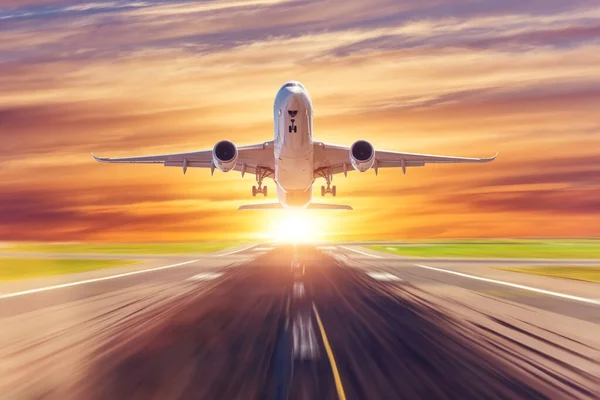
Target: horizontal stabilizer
{"x": 278, "y": 206}
{"x": 321, "y": 206}
{"x": 262, "y": 206}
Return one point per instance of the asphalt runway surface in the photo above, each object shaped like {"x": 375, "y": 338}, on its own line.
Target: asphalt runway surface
{"x": 351, "y": 324}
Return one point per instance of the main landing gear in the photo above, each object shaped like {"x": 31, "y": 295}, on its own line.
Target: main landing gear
{"x": 328, "y": 189}
{"x": 259, "y": 189}
{"x": 328, "y": 178}
{"x": 260, "y": 175}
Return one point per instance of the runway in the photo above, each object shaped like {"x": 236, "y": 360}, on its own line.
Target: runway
{"x": 358, "y": 324}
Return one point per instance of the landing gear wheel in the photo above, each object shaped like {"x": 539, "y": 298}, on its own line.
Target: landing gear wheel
{"x": 333, "y": 191}
{"x": 264, "y": 190}
{"x": 295, "y": 129}
{"x": 290, "y": 129}
{"x": 254, "y": 191}
{"x": 322, "y": 191}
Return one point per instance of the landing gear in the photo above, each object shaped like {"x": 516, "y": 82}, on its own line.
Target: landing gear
{"x": 331, "y": 190}
{"x": 326, "y": 173}
{"x": 260, "y": 175}
{"x": 258, "y": 190}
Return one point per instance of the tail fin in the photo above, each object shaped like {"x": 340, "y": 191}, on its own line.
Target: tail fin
{"x": 311, "y": 206}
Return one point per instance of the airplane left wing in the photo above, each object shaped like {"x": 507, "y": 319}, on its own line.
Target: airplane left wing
{"x": 336, "y": 159}
{"x": 249, "y": 160}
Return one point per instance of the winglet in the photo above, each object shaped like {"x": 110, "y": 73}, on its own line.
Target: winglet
{"x": 99, "y": 159}
{"x": 490, "y": 159}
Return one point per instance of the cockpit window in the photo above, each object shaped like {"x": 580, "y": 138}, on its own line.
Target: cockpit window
{"x": 293, "y": 84}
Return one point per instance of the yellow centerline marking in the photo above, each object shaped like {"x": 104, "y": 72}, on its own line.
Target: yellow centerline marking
{"x": 334, "y": 369}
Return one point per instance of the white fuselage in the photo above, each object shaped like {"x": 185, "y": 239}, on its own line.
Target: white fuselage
{"x": 294, "y": 175}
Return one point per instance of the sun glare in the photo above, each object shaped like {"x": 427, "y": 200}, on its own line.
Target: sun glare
{"x": 295, "y": 227}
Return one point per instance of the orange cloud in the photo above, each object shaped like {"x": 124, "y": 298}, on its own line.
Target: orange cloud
{"x": 132, "y": 78}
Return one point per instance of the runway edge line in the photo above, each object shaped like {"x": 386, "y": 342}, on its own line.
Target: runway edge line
{"x": 361, "y": 252}
{"x": 514, "y": 285}
{"x": 105, "y": 278}
{"x": 236, "y": 251}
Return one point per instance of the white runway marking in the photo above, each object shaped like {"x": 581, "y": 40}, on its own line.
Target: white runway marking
{"x": 383, "y": 276}
{"x": 105, "y": 278}
{"x": 263, "y": 249}
{"x": 206, "y": 276}
{"x": 514, "y": 285}
{"x": 304, "y": 338}
{"x": 326, "y": 247}
{"x": 298, "y": 290}
{"x": 361, "y": 252}
{"x": 237, "y": 251}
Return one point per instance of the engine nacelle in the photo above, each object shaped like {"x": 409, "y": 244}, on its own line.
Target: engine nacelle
{"x": 362, "y": 155}
{"x": 224, "y": 155}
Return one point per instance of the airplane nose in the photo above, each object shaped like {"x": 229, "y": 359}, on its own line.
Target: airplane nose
{"x": 295, "y": 100}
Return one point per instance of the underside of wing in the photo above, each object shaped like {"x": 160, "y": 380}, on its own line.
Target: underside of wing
{"x": 334, "y": 159}
{"x": 194, "y": 159}
{"x": 395, "y": 159}
{"x": 251, "y": 159}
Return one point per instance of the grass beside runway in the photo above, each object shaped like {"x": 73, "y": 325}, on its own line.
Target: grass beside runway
{"x": 562, "y": 249}
{"x": 12, "y": 269}
{"x": 118, "y": 248}
{"x": 587, "y": 274}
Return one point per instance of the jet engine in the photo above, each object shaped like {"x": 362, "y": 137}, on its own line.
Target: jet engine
{"x": 224, "y": 155}
{"x": 362, "y": 155}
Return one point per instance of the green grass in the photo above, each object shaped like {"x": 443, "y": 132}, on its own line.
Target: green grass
{"x": 28, "y": 268}
{"x": 582, "y": 248}
{"x": 588, "y": 274}
{"x": 118, "y": 248}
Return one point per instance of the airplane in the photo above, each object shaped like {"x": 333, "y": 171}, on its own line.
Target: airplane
{"x": 293, "y": 160}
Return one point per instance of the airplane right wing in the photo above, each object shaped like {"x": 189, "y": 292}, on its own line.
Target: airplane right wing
{"x": 250, "y": 159}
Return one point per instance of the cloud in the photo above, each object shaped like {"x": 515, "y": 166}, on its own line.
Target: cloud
{"x": 446, "y": 77}
{"x": 45, "y": 215}
{"x": 582, "y": 201}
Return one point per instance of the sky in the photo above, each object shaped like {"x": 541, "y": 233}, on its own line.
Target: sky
{"x": 465, "y": 78}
